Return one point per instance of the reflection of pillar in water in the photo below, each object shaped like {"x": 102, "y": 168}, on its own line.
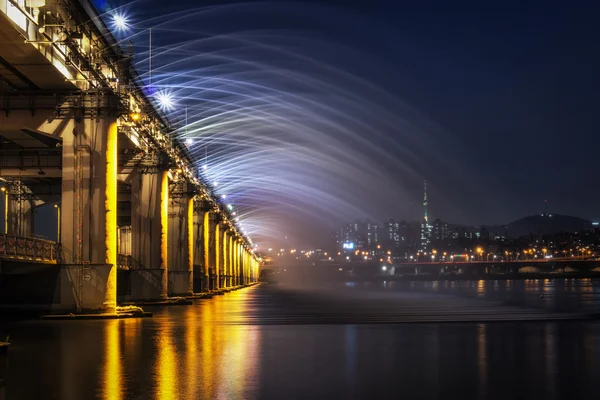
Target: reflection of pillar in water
{"x": 209, "y": 353}
{"x": 191, "y": 349}
{"x": 166, "y": 364}
{"x": 112, "y": 383}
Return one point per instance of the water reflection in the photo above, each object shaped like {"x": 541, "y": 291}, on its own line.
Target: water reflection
{"x": 165, "y": 368}
{"x": 565, "y": 295}
{"x": 482, "y": 359}
{"x": 113, "y": 386}
{"x": 219, "y": 349}
{"x": 201, "y": 351}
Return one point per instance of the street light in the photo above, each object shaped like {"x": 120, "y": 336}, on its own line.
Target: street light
{"x": 165, "y": 100}
{"x": 3, "y": 189}
{"x": 121, "y": 24}
{"x": 480, "y": 251}
{"x": 57, "y": 206}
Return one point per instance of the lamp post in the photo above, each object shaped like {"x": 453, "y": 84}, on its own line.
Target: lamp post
{"x": 5, "y": 191}
{"x": 57, "y": 206}
{"x": 122, "y": 24}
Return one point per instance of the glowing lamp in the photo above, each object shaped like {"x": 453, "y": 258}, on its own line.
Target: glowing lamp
{"x": 120, "y": 22}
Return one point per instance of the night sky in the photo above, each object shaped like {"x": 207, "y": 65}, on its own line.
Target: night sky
{"x": 494, "y": 103}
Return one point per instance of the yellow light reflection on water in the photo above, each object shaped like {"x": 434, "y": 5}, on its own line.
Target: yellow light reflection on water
{"x": 166, "y": 364}
{"x": 481, "y": 287}
{"x": 191, "y": 348}
{"x": 209, "y": 347}
{"x": 112, "y": 371}
{"x": 227, "y": 352}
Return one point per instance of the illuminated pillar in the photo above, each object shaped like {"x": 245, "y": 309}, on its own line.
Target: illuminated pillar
{"x": 248, "y": 266}
{"x": 236, "y": 254}
{"x": 150, "y": 233}
{"x": 88, "y": 279}
{"x": 244, "y": 266}
{"x": 231, "y": 264}
{"x": 217, "y": 251}
{"x": 207, "y": 252}
{"x": 240, "y": 263}
{"x": 190, "y": 245}
{"x": 213, "y": 251}
{"x": 200, "y": 274}
{"x": 181, "y": 242}
{"x": 224, "y": 253}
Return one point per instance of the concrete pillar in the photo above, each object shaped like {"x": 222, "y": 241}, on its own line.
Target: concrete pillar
{"x": 20, "y": 213}
{"x": 150, "y": 232}
{"x": 217, "y": 253}
{"x": 244, "y": 266}
{"x": 248, "y": 266}
{"x": 206, "y": 230}
{"x": 212, "y": 253}
{"x": 231, "y": 265}
{"x": 236, "y": 261}
{"x": 200, "y": 274}
{"x": 240, "y": 263}
{"x": 240, "y": 251}
{"x": 89, "y": 215}
{"x": 181, "y": 242}
{"x": 225, "y": 258}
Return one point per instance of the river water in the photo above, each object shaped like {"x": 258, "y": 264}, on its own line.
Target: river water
{"x": 378, "y": 341}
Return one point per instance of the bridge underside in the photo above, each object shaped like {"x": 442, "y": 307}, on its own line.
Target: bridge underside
{"x": 78, "y": 132}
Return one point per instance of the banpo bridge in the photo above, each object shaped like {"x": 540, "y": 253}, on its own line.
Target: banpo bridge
{"x": 79, "y": 129}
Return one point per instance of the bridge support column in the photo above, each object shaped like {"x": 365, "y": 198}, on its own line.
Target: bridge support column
{"x": 236, "y": 255}
{"x": 225, "y": 258}
{"x": 231, "y": 264}
{"x": 208, "y": 263}
{"x": 88, "y": 279}
{"x": 212, "y": 245}
{"x": 181, "y": 245}
{"x": 20, "y": 213}
{"x": 244, "y": 267}
{"x": 150, "y": 231}
{"x": 200, "y": 274}
{"x": 218, "y": 253}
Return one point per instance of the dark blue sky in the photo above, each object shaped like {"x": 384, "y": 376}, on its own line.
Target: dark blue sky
{"x": 515, "y": 83}
{"x": 513, "y": 87}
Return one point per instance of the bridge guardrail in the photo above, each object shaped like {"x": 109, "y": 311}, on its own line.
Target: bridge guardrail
{"x": 29, "y": 248}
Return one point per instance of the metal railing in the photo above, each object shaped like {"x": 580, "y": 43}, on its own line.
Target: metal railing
{"x": 29, "y": 248}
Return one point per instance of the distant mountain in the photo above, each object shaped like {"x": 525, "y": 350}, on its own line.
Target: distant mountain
{"x": 547, "y": 224}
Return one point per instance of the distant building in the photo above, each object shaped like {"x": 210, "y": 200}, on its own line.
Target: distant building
{"x": 392, "y": 235}
{"x": 425, "y": 227}
{"x": 358, "y": 235}
{"x": 372, "y": 234}
{"x": 440, "y": 230}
